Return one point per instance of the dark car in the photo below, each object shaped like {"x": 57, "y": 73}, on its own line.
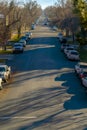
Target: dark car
{"x": 18, "y": 47}
{"x": 24, "y": 38}
{"x": 63, "y": 46}
{"x": 63, "y": 40}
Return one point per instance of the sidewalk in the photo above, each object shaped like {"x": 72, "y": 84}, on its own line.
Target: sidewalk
{"x": 6, "y": 56}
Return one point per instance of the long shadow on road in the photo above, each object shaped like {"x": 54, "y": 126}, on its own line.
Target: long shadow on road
{"x": 43, "y": 54}
{"x": 44, "y": 59}
{"x": 78, "y": 96}
{"x": 33, "y": 102}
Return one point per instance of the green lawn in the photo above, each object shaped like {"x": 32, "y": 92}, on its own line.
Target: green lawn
{"x": 6, "y": 52}
{"x": 2, "y": 61}
{"x": 83, "y": 55}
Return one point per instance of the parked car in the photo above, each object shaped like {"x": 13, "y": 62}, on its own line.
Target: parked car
{"x": 24, "y": 38}
{"x": 9, "y": 43}
{"x": 5, "y": 72}
{"x": 32, "y": 26}
{"x": 23, "y": 42}
{"x": 1, "y": 84}
{"x": 84, "y": 82}
{"x": 67, "y": 49}
{"x": 83, "y": 74}
{"x": 18, "y": 47}
{"x": 73, "y": 55}
{"x": 63, "y": 40}
{"x": 60, "y": 36}
{"x": 63, "y": 46}
{"x": 54, "y": 28}
{"x": 76, "y": 46}
{"x": 28, "y": 35}
{"x": 80, "y": 67}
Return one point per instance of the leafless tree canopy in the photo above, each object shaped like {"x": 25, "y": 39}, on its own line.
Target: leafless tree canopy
{"x": 16, "y": 16}
{"x": 61, "y": 15}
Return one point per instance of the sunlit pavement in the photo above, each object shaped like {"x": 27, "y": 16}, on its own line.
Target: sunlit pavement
{"x": 45, "y": 93}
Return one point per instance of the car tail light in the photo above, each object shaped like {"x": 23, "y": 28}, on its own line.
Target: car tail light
{"x": 82, "y": 76}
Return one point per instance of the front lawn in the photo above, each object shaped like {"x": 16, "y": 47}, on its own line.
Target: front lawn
{"x": 5, "y": 51}
{"x": 2, "y": 61}
{"x": 83, "y": 54}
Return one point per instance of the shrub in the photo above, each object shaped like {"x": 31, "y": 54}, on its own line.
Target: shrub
{"x": 15, "y": 38}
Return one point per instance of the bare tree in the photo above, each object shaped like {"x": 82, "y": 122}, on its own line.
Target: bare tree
{"x": 15, "y": 17}
{"x": 61, "y": 15}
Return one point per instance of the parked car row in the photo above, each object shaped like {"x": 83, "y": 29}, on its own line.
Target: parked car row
{"x": 5, "y": 74}
{"x": 61, "y": 38}
{"x": 5, "y": 70}
{"x": 19, "y": 46}
{"x": 69, "y": 50}
{"x": 71, "y": 53}
{"x": 81, "y": 71}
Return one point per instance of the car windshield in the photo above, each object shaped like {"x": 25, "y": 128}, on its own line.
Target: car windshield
{"x": 23, "y": 37}
{"x": 85, "y": 73}
{"x": 74, "y": 53}
{"x": 85, "y": 78}
{"x": 60, "y": 34}
{"x": 2, "y": 69}
{"x": 83, "y": 66}
{"x": 65, "y": 45}
{"x": 21, "y": 41}
{"x": 69, "y": 48}
{"x": 18, "y": 45}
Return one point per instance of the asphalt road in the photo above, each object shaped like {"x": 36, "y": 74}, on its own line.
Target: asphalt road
{"x": 44, "y": 92}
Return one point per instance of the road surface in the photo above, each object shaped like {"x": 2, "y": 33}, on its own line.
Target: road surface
{"x": 44, "y": 92}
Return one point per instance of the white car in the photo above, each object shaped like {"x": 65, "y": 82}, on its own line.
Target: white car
{"x": 23, "y": 42}
{"x": 5, "y": 72}
{"x": 67, "y": 49}
{"x": 1, "y": 84}
{"x": 18, "y": 47}
{"x": 73, "y": 55}
{"x": 80, "y": 67}
{"x": 28, "y": 35}
{"x": 84, "y": 82}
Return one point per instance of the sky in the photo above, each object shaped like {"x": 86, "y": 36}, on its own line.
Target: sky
{"x": 43, "y": 3}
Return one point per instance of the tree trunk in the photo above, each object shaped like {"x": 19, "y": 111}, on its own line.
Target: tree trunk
{"x": 19, "y": 32}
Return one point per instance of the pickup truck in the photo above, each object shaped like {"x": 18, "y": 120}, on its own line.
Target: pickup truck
{"x": 5, "y": 72}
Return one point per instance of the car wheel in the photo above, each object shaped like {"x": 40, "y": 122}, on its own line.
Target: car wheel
{"x": 76, "y": 72}
{"x": 1, "y": 87}
{"x": 5, "y": 80}
{"x": 9, "y": 76}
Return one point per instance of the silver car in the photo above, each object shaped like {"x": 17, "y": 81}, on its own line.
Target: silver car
{"x": 84, "y": 82}
{"x": 80, "y": 66}
{"x": 67, "y": 49}
{"x": 23, "y": 42}
{"x": 18, "y": 47}
{"x": 5, "y": 72}
{"x": 60, "y": 36}
{"x": 73, "y": 55}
